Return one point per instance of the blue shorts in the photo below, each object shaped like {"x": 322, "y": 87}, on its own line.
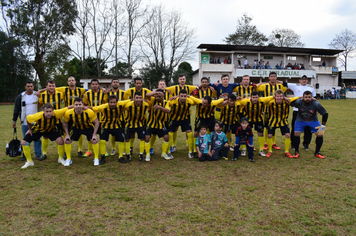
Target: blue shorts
{"x": 300, "y": 125}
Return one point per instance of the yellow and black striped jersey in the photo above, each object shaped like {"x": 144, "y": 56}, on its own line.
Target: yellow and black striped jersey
{"x": 278, "y": 113}
{"x": 243, "y": 92}
{"x": 269, "y": 89}
{"x": 136, "y": 116}
{"x": 55, "y": 99}
{"x": 41, "y": 124}
{"x": 179, "y": 111}
{"x": 157, "y": 118}
{"x": 208, "y": 92}
{"x": 167, "y": 95}
{"x": 230, "y": 114}
{"x": 83, "y": 121}
{"x": 254, "y": 111}
{"x": 70, "y": 95}
{"x": 111, "y": 117}
{"x": 177, "y": 88}
{"x": 94, "y": 99}
{"x": 130, "y": 93}
{"x": 206, "y": 112}
{"x": 120, "y": 94}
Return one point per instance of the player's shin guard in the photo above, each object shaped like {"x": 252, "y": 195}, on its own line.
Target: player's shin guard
{"x": 174, "y": 139}
{"x": 165, "y": 147}
{"x": 68, "y": 148}
{"x": 274, "y": 138}
{"x": 45, "y": 143}
{"x": 153, "y": 140}
{"x": 265, "y": 133}
{"x": 113, "y": 142}
{"x": 170, "y": 139}
{"x": 319, "y": 143}
{"x": 132, "y": 140}
{"x": 269, "y": 142}
{"x": 60, "y": 150}
{"x": 27, "y": 152}
{"x": 228, "y": 136}
{"x": 296, "y": 143}
{"x": 190, "y": 141}
{"x": 90, "y": 146}
{"x": 147, "y": 147}
{"x": 127, "y": 148}
{"x": 96, "y": 150}
{"x": 80, "y": 144}
{"x": 121, "y": 149}
{"x": 142, "y": 147}
{"x": 103, "y": 147}
{"x": 287, "y": 144}
{"x": 260, "y": 142}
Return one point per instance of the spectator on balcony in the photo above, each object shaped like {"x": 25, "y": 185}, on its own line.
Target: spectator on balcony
{"x": 239, "y": 63}
{"x": 211, "y": 60}
{"x": 268, "y": 66}
{"x": 229, "y": 60}
{"x": 246, "y": 63}
{"x": 323, "y": 64}
{"x": 277, "y": 67}
{"x": 225, "y": 61}
{"x": 302, "y": 67}
{"x": 255, "y": 64}
{"x": 281, "y": 65}
{"x": 218, "y": 61}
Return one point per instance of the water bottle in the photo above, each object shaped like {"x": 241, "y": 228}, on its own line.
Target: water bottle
{"x": 19, "y": 151}
{"x": 7, "y": 148}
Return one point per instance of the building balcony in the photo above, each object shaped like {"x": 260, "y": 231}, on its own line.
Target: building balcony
{"x": 217, "y": 67}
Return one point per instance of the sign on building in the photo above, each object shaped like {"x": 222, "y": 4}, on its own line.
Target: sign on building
{"x": 205, "y": 58}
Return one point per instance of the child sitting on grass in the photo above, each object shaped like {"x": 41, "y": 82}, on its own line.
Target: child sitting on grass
{"x": 203, "y": 144}
{"x": 244, "y": 135}
{"x": 219, "y": 143}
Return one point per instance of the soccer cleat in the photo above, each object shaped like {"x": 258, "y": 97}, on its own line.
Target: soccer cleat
{"x": 128, "y": 157}
{"x": 64, "y": 156}
{"x": 225, "y": 158}
{"x": 87, "y": 154}
{"x": 141, "y": 157}
{"x": 102, "y": 160}
{"x": 106, "y": 154}
{"x": 243, "y": 153}
{"x": 318, "y": 155}
{"x": 306, "y": 147}
{"x": 61, "y": 161}
{"x": 232, "y": 148}
{"x": 252, "y": 160}
{"x": 151, "y": 151}
{"x": 27, "y": 164}
{"x": 191, "y": 155}
{"x": 165, "y": 156}
{"x": 265, "y": 146}
{"x": 234, "y": 159}
{"x": 131, "y": 151}
{"x": 43, "y": 157}
{"x": 113, "y": 152}
{"x": 96, "y": 162}
{"x": 173, "y": 149}
{"x": 122, "y": 160}
{"x": 148, "y": 157}
{"x": 269, "y": 154}
{"x": 287, "y": 154}
{"x": 275, "y": 146}
{"x": 262, "y": 154}
{"x": 296, "y": 155}
{"x": 68, "y": 162}
{"x": 80, "y": 154}
{"x": 170, "y": 155}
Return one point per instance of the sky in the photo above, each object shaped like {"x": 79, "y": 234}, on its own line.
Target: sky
{"x": 317, "y": 22}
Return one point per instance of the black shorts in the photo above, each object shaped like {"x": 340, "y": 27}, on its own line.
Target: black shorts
{"x": 210, "y": 123}
{"x": 184, "y": 125}
{"x": 118, "y": 133}
{"x": 232, "y": 128}
{"x": 284, "y": 129}
{"x": 76, "y": 133}
{"x": 160, "y": 132}
{"x": 258, "y": 126}
{"x": 265, "y": 120}
{"x": 52, "y": 135}
{"x": 59, "y": 128}
{"x": 140, "y": 132}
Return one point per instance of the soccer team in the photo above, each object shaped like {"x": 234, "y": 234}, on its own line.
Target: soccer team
{"x": 221, "y": 110}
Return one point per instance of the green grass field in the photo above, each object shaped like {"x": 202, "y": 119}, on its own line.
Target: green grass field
{"x": 273, "y": 196}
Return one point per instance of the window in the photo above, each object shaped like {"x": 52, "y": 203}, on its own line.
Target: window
{"x": 291, "y": 58}
{"x": 316, "y": 58}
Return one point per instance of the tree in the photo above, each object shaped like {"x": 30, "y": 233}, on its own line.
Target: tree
{"x": 41, "y": 25}
{"x": 183, "y": 68}
{"x": 285, "y": 38}
{"x": 346, "y": 41}
{"x": 121, "y": 69}
{"x": 246, "y": 34}
{"x": 152, "y": 74}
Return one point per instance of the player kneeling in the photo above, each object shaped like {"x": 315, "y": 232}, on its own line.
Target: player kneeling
{"x": 203, "y": 143}
{"x": 244, "y": 136}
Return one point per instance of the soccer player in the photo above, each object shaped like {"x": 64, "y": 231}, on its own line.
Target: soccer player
{"x": 85, "y": 122}
{"x": 180, "y": 116}
{"x": 92, "y": 98}
{"x": 157, "y": 122}
{"x": 307, "y": 116}
{"x": 203, "y": 90}
{"x": 244, "y": 136}
{"x": 111, "y": 124}
{"x": 278, "y": 111}
{"x": 130, "y": 93}
{"x": 136, "y": 123}
{"x": 269, "y": 89}
{"x": 43, "y": 124}
{"x": 254, "y": 107}
{"x": 245, "y": 89}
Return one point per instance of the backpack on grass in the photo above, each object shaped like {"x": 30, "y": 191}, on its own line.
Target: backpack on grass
{"x": 14, "y": 148}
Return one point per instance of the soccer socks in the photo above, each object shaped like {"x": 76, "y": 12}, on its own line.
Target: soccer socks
{"x": 96, "y": 150}
{"x": 142, "y": 147}
{"x": 270, "y": 142}
{"x": 243, "y": 147}
{"x": 27, "y": 152}
{"x": 90, "y": 146}
{"x": 103, "y": 147}
{"x": 190, "y": 141}
{"x": 45, "y": 143}
{"x": 170, "y": 139}
{"x": 165, "y": 147}
{"x": 287, "y": 144}
{"x": 121, "y": 149}
{"x": 265, "y": 133}
{"x": 296, "y": 143}
{"x": 153, "y": 140}
{"x": 319, "y": 143}
{"x": 80, "y": 144}
{"x": 60, "y": 151}
{"x": 260, "y": 142}
{"x": 68, "y": 148}
{"x": 228, "y": 136}
{"x": 132, "y": 140}
{"x": 113, "y": 142}
{"x": 174, "y": 139}
{"x": 274, "y": 138}
{"x": 127, "y": 148}
{"x": 147, "y": 147}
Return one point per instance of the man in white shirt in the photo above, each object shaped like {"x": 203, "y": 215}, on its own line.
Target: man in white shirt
{"x": 27, "y": 104}
{"x": 298, "y": 90}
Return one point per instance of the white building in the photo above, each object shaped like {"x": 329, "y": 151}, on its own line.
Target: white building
{"x": 319, "y": 64}
{"x": 105, "y": 82}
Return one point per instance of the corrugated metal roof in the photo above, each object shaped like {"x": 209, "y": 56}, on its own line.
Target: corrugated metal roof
{"x": 348, "y": 74}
